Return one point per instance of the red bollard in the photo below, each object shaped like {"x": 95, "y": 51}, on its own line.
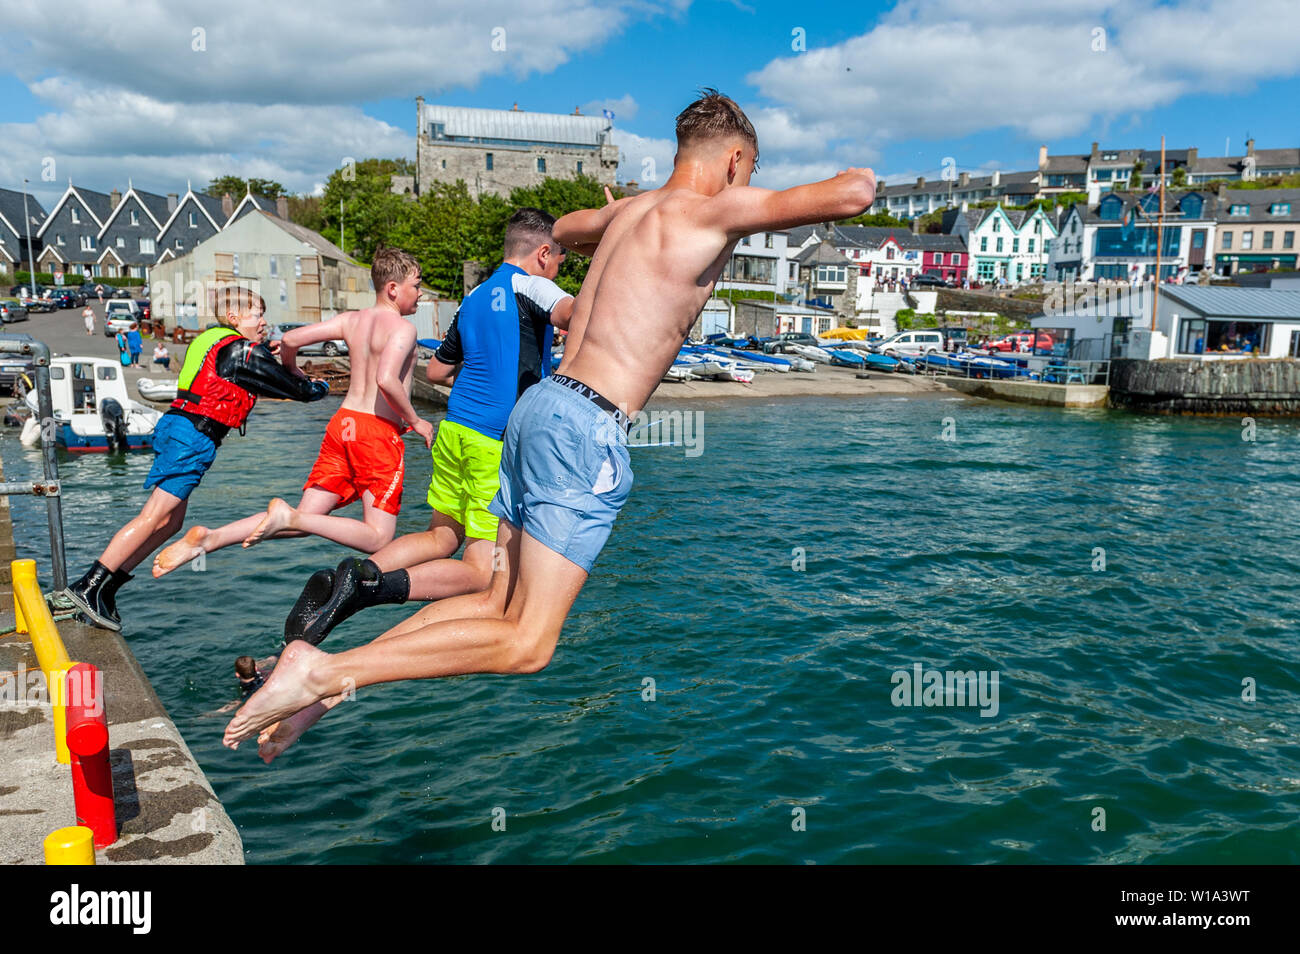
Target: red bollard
{"x": 87, "y": 734}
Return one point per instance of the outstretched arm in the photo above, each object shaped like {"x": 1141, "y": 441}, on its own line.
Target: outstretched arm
{"x": 581, "y": 231}
{"x": 296, "y": 338}
{"x": 744, "y": 210}
{"x": 254, "y": 368}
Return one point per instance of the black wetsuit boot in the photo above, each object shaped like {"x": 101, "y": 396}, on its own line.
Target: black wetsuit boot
{"x": 304, "y": 612}
{"x": 96, "y": 595}
{"x": 358, "y": 584}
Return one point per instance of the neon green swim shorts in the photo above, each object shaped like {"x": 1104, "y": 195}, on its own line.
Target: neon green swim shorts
{"x": 466, "y": 469}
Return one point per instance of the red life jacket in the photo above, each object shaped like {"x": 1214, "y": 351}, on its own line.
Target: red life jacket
{"x": 200, "y": 390}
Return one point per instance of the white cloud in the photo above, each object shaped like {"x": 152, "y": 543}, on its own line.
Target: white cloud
{"x": 645, "y": 161}
{"x": 942, "y": 69}
{"x": 624, "y": 108}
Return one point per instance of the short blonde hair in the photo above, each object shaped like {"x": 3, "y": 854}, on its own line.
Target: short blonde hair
{"x": 391, "y": 265}
{"x": 237, "y": 299}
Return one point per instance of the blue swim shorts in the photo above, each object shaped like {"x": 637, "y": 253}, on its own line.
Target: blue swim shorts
{"x": 565, "y": 471}
{"x": 181, "y": 456}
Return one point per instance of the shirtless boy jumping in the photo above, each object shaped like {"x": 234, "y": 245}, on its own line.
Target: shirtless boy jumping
{"x": 361, "y": 456}
{"x": 565, "y": 470}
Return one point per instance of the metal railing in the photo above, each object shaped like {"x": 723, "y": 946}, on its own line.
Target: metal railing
{"x": 50, "y": 488}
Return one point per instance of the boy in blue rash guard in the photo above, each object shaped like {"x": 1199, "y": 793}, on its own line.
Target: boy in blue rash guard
{"x": 225, "y": 370}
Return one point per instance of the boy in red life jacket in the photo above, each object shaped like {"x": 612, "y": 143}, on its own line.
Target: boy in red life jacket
{"x": 225, "y": 370}
{"x": 362, "y": 456}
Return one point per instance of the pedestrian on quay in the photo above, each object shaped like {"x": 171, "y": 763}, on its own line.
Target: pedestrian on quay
{"x": 88, "y": 315}
{"x": 135, "y": 343}
{"x": 161, "y": 357}
{"x": 123, "y": 349}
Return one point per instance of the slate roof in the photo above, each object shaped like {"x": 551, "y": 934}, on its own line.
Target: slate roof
{"x": 11, "y": 207}
{"x": 1259, "y": 200}
{"x": 1236, "y": 302}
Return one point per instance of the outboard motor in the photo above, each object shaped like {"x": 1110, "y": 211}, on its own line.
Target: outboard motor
{"x": 113, "y": 418}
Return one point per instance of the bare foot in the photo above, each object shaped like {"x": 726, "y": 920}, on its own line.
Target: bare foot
{"x": 181, "y": 552}
{"x": 279, "y": 516}
{"x": 274, "y": 739}
{"x": 284, "y": 693}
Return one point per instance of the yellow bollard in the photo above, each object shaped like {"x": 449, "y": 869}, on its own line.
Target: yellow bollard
{"x": 73, "y": 845}
{"x": 50, "y": 652}
{"x": 20, "y": 624}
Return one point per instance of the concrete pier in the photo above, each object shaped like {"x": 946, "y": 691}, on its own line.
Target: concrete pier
{"x": 167, "y": 812}
{"x": 1264, "y": 386}
{"x": 1031, "y": 392}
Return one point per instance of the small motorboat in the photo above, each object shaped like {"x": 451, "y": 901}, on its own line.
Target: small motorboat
{"x": 92, "y": 412}
{"x": 811, "y": 353}
{"x": 847, "y": 358}
{"x": 157, "y": 389}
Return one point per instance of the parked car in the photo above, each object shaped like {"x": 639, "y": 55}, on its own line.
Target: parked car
{"x": 329, "y": 348}
{"x": 145, "y": 308}
{"x": 123, "y": 292}
{"x": 26, "y": 291}
{"x": 14, "y": 365}
{"x": 930, "y": 280}
{"x": 1023, "y": 342}
{"x": 39, "y": 303}
{"x": 67, "y": 298}
{"x": 781, "y": 341}
{"x": 118, "y": 316}
{"x": 911, "y": 343}
{"x": 11, "y": 311}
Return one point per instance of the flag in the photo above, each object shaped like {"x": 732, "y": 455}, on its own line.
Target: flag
{"x": 607, "y": 114}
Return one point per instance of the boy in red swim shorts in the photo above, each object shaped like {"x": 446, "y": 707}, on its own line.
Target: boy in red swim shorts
{"x": 361, "y": 457}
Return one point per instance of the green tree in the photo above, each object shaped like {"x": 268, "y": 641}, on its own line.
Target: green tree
{"x": 371, "y": 212}
{"x": 237, "y": 187}
{"x": 560, "y": 197}
{"x": 883, "y": 219}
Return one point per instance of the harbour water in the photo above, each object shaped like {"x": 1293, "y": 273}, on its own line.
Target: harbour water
{"x": 1129, "y": 579}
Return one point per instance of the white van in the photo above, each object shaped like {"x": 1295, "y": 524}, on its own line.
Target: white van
{"x": 911, "y": 343}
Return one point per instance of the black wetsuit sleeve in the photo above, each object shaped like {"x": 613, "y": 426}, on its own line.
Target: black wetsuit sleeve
{"x": 450, "y": 351}
{"x": 254, "y": 368}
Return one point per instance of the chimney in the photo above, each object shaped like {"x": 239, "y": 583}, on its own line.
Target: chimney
{"x": 920, "y": 182}
{"x": 963, "y": 179}
{"x": 1191, "y": 157}
{"x": 227, "y": 205}
{"x": 1094, "y": 152}
{"x": 1042, "y": 157}
{"x": 1222, "y": 194}
{"x": 577, "y": 111}
{"x": 114, "y": 198}
{"x": 1250, "y": 147}
{"x": 995, "y": 180}
{"x": 282, "y": 207}
{"x": 172, "y": 201}
{"x": 514, "y": 108}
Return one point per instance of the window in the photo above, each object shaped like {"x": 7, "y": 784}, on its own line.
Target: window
{"x": 1288, "y": 240}
{"x": 1015, "y": 245}
{"x": 579, "y": 167}
{"x": 235, "y": 263}
{"x": 997, "y": 225}
{"x": 827, "y": 274}
{"x": 1020, "y": 270}
{"x": 284, "y": 290}
{"x": 275, "y": 270}
{"x": 1247, "y": 240}
{"x": 1280, "y": 208}
{"x": 194, "y": 220}
{"x": 297, "y": 266}
{"x": 794, "y": 270}
{"x": 488, "y": 157}
{"x": 889, "y": 253}
{"x": 1110, "y": 208}
{"x": 954, "y": 259}
{"x": 744, "y": 240}
{"x": 999, "y": 248}
{"x": 146, "y": 246}
{"x": 541, "y": 163}
{"x": 1227, "y": 240}
{"x": 1038, "y": 228}
{"x": 984, "y": 243}
{"x": 135, "y": 217}
{"x": 1268, "y": 240}
{"x": 1031, "y": 245}
{"x": 1239, "y": 210}
{"x": 76, "y": 216}
{"x": 767, "y": 240}
{"x": 180, "y": 244}
{"x": 444, "y": 163}
{"x": 88, "y": 243}
{"x": 121, "y": 242}
{"x": 1191, "y": 205}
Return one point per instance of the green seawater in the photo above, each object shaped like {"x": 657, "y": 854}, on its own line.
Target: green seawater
{"x": 1129, "y": 579}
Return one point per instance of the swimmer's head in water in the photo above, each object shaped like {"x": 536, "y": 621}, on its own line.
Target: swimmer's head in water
{"x": 716, "y": 122}
{"x": 245, "y": 667}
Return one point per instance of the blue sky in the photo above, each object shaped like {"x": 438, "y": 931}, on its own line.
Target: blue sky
{"x": 120, "y": 91}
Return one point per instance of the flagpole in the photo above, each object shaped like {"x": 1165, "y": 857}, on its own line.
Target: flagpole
{"x": 1160, "y": 231}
